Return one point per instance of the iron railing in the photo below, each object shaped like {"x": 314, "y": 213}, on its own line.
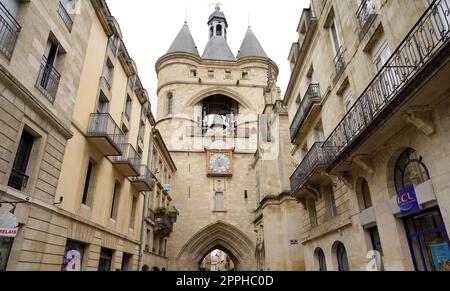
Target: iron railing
{"x": 310, "y": 163}
{"x": 129, "y": 155}
{"x": 102, "y": 124}
{"x": 112, "y": 45}
{"x": 312, "y": 97}
{"x": 145, "y": 175}
{"x": 365, "y": 11}
{"x": 105, "y": 81}
{"x": 151, "y": 214}
{"x": 9, "y": 32}
{"x": 48, "y": 80}
{"x": 198, "y": 131}
{"x": 164, "y": 221}
{"x": 339, "y": 62}
{"x": 428, "y": 36}
{"x": 65, "y": 16}
{"x": 18, "y": 180}
{"x": 279, "y": 108}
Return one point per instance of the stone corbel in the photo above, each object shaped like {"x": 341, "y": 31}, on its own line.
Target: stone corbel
{"x": 365, "y": 163}
{"x": 315, "y": 191}
{"x": 302, "y": 201}
{"x": 346, "y": 178}
{"x": 421, "y": 118}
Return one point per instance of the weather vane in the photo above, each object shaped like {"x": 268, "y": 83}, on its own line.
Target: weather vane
{"x": 216, "y": 4}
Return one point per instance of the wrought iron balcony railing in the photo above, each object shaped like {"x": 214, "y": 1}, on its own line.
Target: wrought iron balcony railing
{"x": 365, "y": 11}
{"x": 18, "y": 180}
{"x": 48, "y": 80}
{"x": 237, "y": 132}
{"x": 129, "y": 155}
{"x": 163, "y": 220}
{"x": 339, "y": 62}
{"x": 9, "y": 32}
{"x": 145, "y": 175}
{"x": 106, "y": 82}
{"x": 65, "y": 16}
{"x": 312, "y": 96}
{"x": 310, "y": 163}
{"x": 151, "y": 214}
{"x": 423, "y": 42}
{"x": 112, "y": 46}
{"x": 102, "y": 124}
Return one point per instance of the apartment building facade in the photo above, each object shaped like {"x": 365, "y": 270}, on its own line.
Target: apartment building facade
{"x": 368, "y": 108}
{"x": 40, "y": 73}
{"x": 77, "y": 173}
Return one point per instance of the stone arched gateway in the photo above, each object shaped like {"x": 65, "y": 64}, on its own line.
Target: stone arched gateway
{"x": 221, "y": 236}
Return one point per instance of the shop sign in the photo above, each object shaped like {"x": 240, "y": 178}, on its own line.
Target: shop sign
{"x": 8, "y": 225}
{"x": 407, "y": 200}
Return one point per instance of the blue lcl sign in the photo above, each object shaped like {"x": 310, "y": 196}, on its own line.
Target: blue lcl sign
{"x": 407, "y": 199}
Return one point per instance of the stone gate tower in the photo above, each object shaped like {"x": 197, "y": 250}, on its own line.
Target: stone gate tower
{"x": 208, "y": 112}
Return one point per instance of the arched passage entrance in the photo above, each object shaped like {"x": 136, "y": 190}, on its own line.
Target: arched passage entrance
{"x": 220, "y": 236}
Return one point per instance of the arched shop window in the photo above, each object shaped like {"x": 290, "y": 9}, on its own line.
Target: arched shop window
{"x": 410, "y": 170}
{"x": 322, "y": 260}
{"x": 425, "y": 229}
{"x": 342, "y": 259}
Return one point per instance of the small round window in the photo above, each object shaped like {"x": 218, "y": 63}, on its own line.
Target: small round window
{"x": 410, "y": 170}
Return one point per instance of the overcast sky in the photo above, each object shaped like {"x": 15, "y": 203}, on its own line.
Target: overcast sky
{"x": 149, "y": 27}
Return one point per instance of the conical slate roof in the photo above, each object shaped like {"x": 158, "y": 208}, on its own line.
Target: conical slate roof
{"x": 184, "y": 42}
{"x": 251, "y": 47}
{"x": 218, "y": 49}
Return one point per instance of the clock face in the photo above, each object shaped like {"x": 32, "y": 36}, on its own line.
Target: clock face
{"x": 220, "y": 163}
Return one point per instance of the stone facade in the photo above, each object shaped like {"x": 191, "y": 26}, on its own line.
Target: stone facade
{"x": 188, "y": 88}
{"x": 354, "y": 113}
{"x": 85, "y": 177}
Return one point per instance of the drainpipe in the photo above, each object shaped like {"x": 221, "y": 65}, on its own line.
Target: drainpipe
{"x": 145, "y": 210}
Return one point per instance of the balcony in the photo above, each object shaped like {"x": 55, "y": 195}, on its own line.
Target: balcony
{"x": 48, "y": 80}
{"x": 151, "y": 215}
{"x": 65, "y": 16}
{"x": 304, "y": 173}
{"x": 339, "y": 63}
{"x": 309, "y": 106}
{"x": 164, "y": 222}
{"x": 365, "y": 13}
{"x": 143, "y": 182}
{"x": 9, "y": 32}
{"x": 423, "y": 48}
{"x": 197, "y": 131}
{"x": 18, "y": 180}
{"x": 129, "y": 162}
{"x": 105, "y": 134}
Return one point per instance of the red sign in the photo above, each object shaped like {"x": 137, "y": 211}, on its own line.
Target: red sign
{"x": 8, "y": 232}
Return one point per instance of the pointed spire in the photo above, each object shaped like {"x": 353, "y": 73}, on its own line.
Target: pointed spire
{"x": 251, "y": 47}
{"x": 217, "y": 47}
{"x": 184, "y": 42}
